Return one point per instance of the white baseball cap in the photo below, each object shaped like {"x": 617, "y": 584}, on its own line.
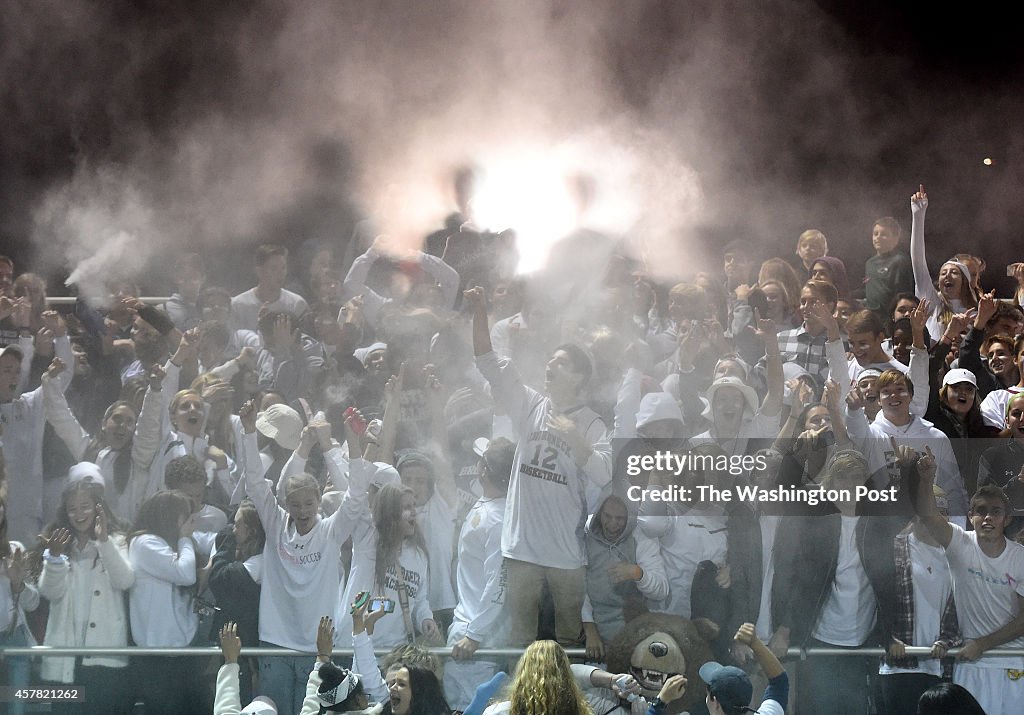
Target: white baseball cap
{"x": 957, "y": 375}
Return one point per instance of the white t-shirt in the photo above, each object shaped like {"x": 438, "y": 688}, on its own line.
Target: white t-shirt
{"x": 245, "y": 307}
{"x": 929, "y": 571}
{"x": 986, "y": 590}
{"x": 390, "y": 629}
{"x": 849, "y": 613}
{"x": 993, "y": 407}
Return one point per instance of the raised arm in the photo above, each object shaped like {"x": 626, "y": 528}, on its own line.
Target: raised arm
{"x": 148, "y": 433}
{"x": 922, "y": 279}
{"x": 767, "y": 332}
{"x": 919, "y": 360}
{"x": 258, "y": 488}
{"x": 158, "y": 559}
{"x": 384, "y": 451}
{"x": 443, "y": 471}
{"x": 445, "y": 276}
{"x": 939, "y": 528}
{"x": 481, "y": 331}
{"x": 61, "y": 346}
{"x": 355, "y": 282}
{"x": 227, "y": 700}
{"x": 59, "y": 414}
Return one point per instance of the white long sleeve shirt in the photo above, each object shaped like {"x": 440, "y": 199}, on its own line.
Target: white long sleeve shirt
{"x": 24, "y": 420}
{"x": 159, "y": 603}
{"x": 301, "y": 572}
{"x": 355, "y": 282}
{"x": 390, "y": 629}
{"x": 481, "y": 576}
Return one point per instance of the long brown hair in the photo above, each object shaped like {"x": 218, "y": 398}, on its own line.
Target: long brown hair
{"x": 159, "y": 515}
{"x": 387, "y": 519}
{"x": 251, "y": 519}
{"x": 62, "y": 521}
{"x": 544, "y": 683}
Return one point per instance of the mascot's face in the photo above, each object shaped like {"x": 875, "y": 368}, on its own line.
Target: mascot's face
{"x": 654, "y": 660}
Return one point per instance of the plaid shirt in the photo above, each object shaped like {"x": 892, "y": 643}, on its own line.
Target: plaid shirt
{"x": 903, "y": 623}
{"x": 804, "y": 349}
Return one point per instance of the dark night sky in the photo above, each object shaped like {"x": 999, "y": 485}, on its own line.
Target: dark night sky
{"x": 931, "y": 93}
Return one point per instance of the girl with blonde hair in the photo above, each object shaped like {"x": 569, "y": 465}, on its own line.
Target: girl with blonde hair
{"x": 543, "y": 684}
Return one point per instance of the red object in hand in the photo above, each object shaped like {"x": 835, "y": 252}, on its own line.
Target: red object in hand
{"x": 355, "y": 420}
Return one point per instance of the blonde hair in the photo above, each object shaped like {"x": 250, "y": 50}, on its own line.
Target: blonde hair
{"x": 812, "y": 234}
{"x": 845, "y": 460}
{"x": 544, "y": 683}
{"x": 181, "y": 395}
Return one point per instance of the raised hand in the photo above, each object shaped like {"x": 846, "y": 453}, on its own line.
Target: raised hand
{"x": 16, "y": 565}
{"x": 475, "y": 298}
{"x": 59, "y": 542}
{"x": 325, "y": 637}
{"x": 927, "y": 466}
{"x": 230, "y": 643}
{"x": 44, "y": 342}
{"x": 188, "y": 347}
{"x": 766, "y": 330}
{"x": 919, "y": 315}
{"x": 919, "y": 201}
{"x": 56, "y": 367}
{"x": 322, "y": 430}
{"x": 830, "y": 395}
{"x": 247, "y": 414}
{"x": 282, "y": 335}
{"x": 101, "y": 529}
{"x": 53, "y": 322}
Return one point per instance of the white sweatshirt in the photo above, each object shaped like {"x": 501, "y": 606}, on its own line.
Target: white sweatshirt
{"x": 389, "y": 630}
{"x": 875, "y": 444}
{"x": 301, "y": 572}
{"x": 24, "y": 419}
{"x": 481, "y": 576}
{"x": 159, "y": 603}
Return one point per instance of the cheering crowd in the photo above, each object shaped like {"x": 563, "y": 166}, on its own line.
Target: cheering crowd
{"x": 431, "y": 450}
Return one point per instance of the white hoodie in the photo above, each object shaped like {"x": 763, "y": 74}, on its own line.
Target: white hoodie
{"x": 875, "y": 444}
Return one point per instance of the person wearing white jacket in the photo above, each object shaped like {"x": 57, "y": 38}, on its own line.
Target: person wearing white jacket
{"x": 17, "y": 595}
{"x": 24, "y": 419}
{"x": 85, "y": 575}
{"x": 160, "y": 603}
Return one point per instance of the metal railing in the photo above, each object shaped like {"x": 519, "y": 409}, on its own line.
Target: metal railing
{"x": 577, "y": 653}
{"x": 71, "y": 300}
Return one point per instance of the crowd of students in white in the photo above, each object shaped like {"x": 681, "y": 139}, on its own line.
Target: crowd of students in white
{"x": 447, "y": 436}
